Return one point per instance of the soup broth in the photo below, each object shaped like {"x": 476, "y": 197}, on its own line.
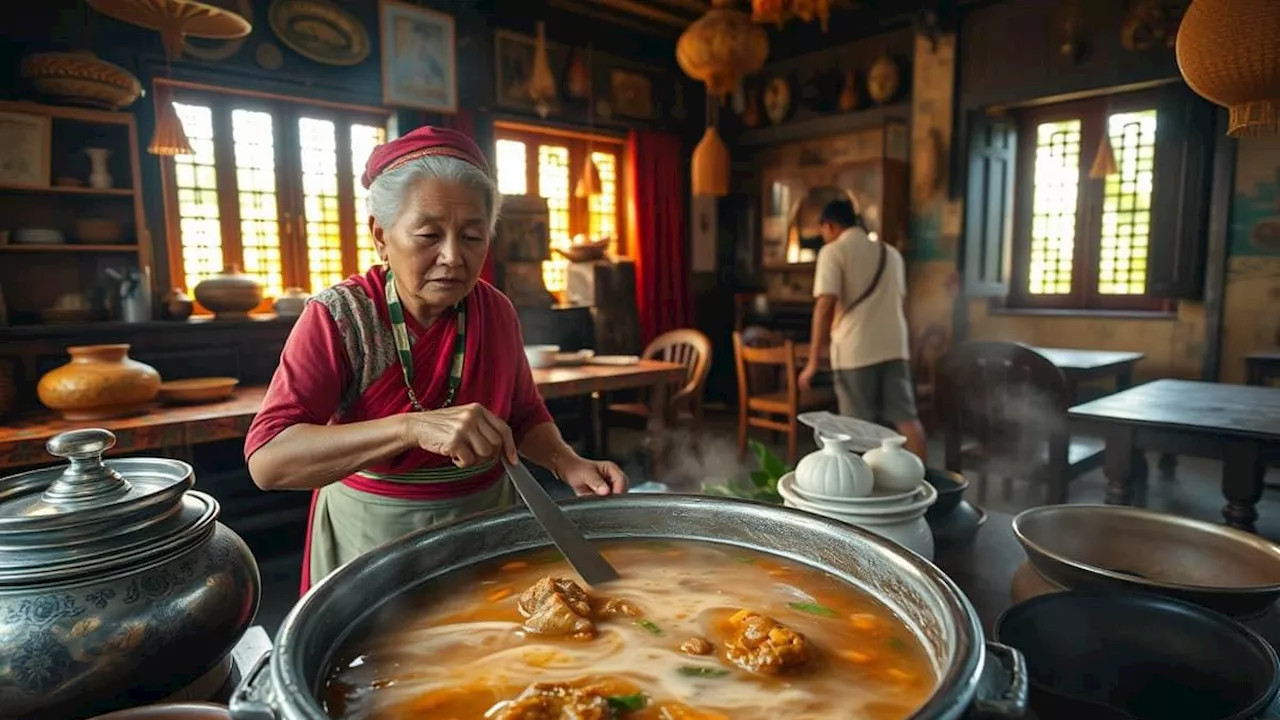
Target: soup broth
{"x": 692, "y": 631}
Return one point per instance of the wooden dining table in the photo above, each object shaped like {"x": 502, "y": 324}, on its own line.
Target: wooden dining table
{"x": 1237, "y": 424}
{"x": 174, "y": 429}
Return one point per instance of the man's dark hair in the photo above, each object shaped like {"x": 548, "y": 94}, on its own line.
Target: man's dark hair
{"x": 839, "y": 213}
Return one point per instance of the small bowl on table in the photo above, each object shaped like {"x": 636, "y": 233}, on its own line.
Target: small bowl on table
{"x": 198, "y": 390}
{"x": 585, "y": 252}
{"x": 541, "y": 356}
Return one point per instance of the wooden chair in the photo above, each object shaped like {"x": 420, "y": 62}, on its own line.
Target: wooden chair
{"x": 687, "y": 347}
{"x": 1003, "y": 408}
{"x": 762, "y": 409}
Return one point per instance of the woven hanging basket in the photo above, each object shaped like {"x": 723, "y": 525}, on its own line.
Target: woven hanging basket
{"x": 1229, "y": 53}
{"x": 710, "y": 171}
{"x": 169, "y": 138}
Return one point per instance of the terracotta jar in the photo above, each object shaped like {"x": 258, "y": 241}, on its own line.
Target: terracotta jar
{"x": 177, "y": 305}
{"x": 101, "y": 381}
{"x": 230, "y": 294}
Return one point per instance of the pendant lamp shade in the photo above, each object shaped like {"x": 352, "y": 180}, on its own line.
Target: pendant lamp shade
{"x": 1104, "y": 163}
{"x": 1229, "y": 54}
{"x": 589, "y": 184}
{"x": 710, "y": 172}
{"x": 177, "y": 20}
{"x": 169, "y": 137}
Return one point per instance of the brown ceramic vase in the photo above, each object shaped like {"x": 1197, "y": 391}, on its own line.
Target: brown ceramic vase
{"x": 100, "y": 382}
{"x": 230, "y": 294}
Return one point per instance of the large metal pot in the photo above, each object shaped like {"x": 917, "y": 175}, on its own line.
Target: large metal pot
{"x": 117, "y": 584}
{"x": 988, "y": 679}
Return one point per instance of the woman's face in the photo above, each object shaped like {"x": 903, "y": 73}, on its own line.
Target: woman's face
{"x": 438, "y": 243}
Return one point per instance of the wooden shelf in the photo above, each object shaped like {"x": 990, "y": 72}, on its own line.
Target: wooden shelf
{"x": 66, "y": 112}
{"x": 67, "y": 247}
{"x": 68, "y": 190}
{"x": 823, "y": 125}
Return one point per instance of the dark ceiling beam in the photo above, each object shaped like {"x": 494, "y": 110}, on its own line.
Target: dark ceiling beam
{"x": 620, "y": 20}
{"x": 645, "y": 11}
{"x": 697, "y": 6}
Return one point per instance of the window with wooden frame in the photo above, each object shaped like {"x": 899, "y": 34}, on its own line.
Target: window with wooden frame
{"x": 549, "y": 162}
{"x": 273, "y": 187}
{"x": 1049, "y": 226}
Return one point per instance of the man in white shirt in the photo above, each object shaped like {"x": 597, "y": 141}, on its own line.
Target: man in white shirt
{"x": 858, "y": 289}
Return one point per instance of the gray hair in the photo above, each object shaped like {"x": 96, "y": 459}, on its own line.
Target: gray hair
{"x": 387, "y": 192}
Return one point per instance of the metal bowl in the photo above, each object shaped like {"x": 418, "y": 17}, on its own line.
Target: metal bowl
{"x": 988, "y": 678}
{"x": 1109, "y": 547}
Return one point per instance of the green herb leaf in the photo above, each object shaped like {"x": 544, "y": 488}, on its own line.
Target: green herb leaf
{"x": 814, "y": 609}
{"x": 650, "y": 626}
{"x": 744, "y": 559}
{"x": 771, "y": 464}
{"x": 627, "y": 703}
{"x": 698, "y": 671}
{"x": 760, "y": 479}
{"x": 896, "y": 643}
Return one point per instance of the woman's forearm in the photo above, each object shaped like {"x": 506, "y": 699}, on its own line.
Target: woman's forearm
{"x": 545, "y": 446}
{"x": 304, "y": 457}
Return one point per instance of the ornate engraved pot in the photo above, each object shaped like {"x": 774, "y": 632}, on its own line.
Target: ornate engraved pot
{"x": 118, "y": 586}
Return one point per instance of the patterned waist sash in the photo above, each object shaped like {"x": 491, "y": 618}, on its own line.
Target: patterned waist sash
{"x": 432, "y": 475}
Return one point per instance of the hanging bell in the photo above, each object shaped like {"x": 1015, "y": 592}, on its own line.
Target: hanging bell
{"x": 710, "y": 167}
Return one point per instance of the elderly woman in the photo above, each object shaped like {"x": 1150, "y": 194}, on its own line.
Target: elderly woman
{"x": 399, "y": 390}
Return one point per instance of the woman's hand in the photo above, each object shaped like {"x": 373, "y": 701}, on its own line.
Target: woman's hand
{"x": 469, "y": 434}
{"x": 593, "y": 477}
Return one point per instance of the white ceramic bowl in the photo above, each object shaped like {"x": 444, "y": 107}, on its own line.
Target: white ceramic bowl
{"x": 918, "y": 501}
{"x": 541, "y": 356}
{"x": 877, "y": 497}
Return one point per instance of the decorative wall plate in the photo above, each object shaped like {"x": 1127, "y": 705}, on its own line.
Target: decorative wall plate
{"x": 321, "y": 31}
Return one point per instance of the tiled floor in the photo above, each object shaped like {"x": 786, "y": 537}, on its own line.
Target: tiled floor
{"x": 1193, "y": 491}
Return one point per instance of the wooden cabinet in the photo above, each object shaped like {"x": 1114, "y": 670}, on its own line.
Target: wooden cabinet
{"x": 98, "y": 227}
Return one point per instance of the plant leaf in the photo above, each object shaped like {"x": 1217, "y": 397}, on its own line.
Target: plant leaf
{"x": 650, "y": 626}
{"x": 769, "y": 463}
{"x": 627, "y": 703}
{"x": 760, "y": 479}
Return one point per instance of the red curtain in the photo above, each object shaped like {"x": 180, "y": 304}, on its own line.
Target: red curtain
{"x": 464, "y": 121}
{"x": 659, "y": 216}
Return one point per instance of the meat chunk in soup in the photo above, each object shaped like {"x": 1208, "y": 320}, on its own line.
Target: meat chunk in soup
{"x": 557, "y": 606}
{"x": 613, "y": 607}
{"x": 764, "y": 645}
{"x": 555, "y": 701}
{"x": 696, "y": 646}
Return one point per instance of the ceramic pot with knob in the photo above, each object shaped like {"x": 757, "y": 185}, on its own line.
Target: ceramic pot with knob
{"x": 834, "y": 470}
{"x": 230, "y": 294}
{"x": 895, "y": 467}
{"x": 291, "y": 303}
{"x": 177, "y": 305}
{"x": 118, "y": 585}
{"x": 100, "y": 382}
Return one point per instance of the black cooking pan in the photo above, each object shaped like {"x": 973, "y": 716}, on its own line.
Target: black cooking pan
{"x": 1133, "y": 656}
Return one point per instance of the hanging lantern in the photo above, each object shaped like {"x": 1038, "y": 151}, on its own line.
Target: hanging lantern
{"x": 589, "y": 184}
{"x": 169, "y": 137}
{"x": 720, "y": 47}
{"x": 778, "y": 12}
{"x": 1228, "y": 53}
{"x": 1104, "y": 162}
{"x": 542, "y": 83}
{"x": 710, "y": 166}
{"x": 177, "y": 20}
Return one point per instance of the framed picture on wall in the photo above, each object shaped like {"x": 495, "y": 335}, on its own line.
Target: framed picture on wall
{"x": 632, "y": 94}
{"x": 24, "y": 150}
{"x": 419, "y": 62}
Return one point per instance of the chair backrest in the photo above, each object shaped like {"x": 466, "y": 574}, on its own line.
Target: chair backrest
{"x": 689, "y": 348}
{"x": 778, "y": 358}
{"x": 1007, "y": 397}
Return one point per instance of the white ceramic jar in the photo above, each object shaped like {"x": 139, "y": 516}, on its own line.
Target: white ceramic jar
{"x": 894, "y": 467}
{"x": 834, "y": 471}
{"x": 911, "y": 530}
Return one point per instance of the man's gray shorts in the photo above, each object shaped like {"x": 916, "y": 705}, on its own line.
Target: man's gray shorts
{"x": 877, "y": 393}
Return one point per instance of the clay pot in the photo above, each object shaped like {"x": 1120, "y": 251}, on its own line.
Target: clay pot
{"x": 230, "y": 294}
{"x": 177, "y": 305}
{"x": 100, "y": 382}
{"x": 291, "y": 303}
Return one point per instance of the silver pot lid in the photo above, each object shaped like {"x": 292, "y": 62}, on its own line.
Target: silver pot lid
{"x": 92, "y": 516}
